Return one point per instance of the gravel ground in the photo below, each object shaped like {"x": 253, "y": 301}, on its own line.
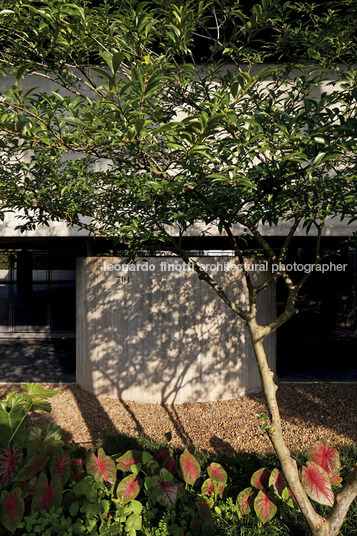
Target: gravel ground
{"x": 309, "y": 411}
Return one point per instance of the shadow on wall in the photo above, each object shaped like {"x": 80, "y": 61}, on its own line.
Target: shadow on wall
{"x": 156, "y": 333}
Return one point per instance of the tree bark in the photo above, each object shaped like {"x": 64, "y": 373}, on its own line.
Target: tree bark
{"x": 342, "y": 503}
{"x": 319, "y": 526}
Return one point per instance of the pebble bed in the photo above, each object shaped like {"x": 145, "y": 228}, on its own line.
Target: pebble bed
{"x": 310, "y": 412}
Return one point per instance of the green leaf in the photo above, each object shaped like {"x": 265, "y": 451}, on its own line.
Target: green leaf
{"x": 12, "y": 423}
{"x": 130, "y": 461}
{"x": 74, "y": 121}
{"x": 137, "y": 507}
{"x": 22, "y": 70}
{"x": 12, "y": 508}
{"x": 319, "y": 158}
{"x": 49, "y": 437}
{"x": 47, "y": 494}
{"x": 33, "y": 465}
{"x": 36, "y": 390}
{"x": 108, "y": 58}
{"x": 103, "y": 74}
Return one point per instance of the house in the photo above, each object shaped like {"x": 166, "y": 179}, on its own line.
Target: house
{"x": 148, "y": 332}
{"x": 120, "y": 354}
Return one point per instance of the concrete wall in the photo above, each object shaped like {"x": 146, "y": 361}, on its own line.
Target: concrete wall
{"x": 154, "y": 335}
{"x": 334, "y": 226}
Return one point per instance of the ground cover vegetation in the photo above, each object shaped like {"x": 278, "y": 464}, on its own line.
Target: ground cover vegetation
{"x": 51, "y": 487}
{"x": 159, "y": 115}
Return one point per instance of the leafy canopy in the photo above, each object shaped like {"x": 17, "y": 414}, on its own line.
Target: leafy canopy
{"x": 114, "y": 124}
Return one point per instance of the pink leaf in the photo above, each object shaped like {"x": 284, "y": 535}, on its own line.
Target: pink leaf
{"x": 277, "y": 481}
{"x": 264, "y": 507}
{"x": 217, "y": 473}
{"x": 130, "y": 461}
{"x": 11, "y": 509}
{"x": 336, "y": 480}
{"x": 190, "y": 467}
{"x": 208, "y": 528}
{"x": 220, "y": 486}
{"x": 128, "y": 488}
{"x": 102, "y": 467}
{"x": 33, "y": 465}
{"x": 245, "y": 500}
{"x": 326, "y": 458}
{"x": 316, "y": 483}
{"x": 162, "y": 455}
{"x": 10, "y": 461}
{"x": 204, "y": 508}
{"x": 167, "y": 489}
{"x": 61, "y": 465}
{"x": 32, "y": 486}
{"x": 208, "y": 487}
{"x": 47, "y": 494}
{"x": 171, "y": 465}
{"x": 196, "y": 525}
{"x": 260, "y": 479}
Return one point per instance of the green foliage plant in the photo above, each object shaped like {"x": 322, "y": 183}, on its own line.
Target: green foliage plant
{"x": 49, "y": 485}
{"x": 15, "y": 409}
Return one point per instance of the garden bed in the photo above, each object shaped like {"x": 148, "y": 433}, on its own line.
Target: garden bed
{"x": 309, "y": 411}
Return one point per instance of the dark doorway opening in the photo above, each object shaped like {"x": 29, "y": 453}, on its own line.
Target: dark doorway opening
{"x": 320, "y": 342}
{"x": 37, "y": 315}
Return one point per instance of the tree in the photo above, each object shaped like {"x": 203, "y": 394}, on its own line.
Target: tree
{"x": 181, "y": 141}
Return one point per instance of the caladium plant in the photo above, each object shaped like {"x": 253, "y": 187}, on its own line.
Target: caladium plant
{"x": 269, "y": 490}
{"x": 215, "y": 485}
{"x": 130, "y": 461}
{"x": 61, "y": 465}
{"x": 165, "y": 488}
{"x": 128, "y": 489}
{"x": 316, "y": 483}
{"x": 12, "y": 509}
{"x": 189, "y": 467}
{"x": 10, "y": 461}
{"x": 321, "y": 472}
{"x": 102, "y": 467}
{"x": 47, "y": 493}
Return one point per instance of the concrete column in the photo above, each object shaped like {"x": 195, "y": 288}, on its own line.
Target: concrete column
{"x": 156, "y": 333}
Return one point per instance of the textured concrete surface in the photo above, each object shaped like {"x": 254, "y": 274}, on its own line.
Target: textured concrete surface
{"x": 162, "y": 336}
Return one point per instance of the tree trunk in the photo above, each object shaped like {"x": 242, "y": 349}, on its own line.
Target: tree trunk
{"x": 319, "y": 526}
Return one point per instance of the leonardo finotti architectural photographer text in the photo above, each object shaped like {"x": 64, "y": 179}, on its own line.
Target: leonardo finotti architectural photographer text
{"x": 165, "y": 266}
